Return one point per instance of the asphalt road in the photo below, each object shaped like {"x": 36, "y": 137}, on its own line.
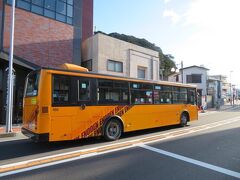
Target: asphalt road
{"x": 208, "y": 154}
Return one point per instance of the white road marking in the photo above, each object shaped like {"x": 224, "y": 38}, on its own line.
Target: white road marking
{"x": 62, "y": 161}
{"x": 192, "y": 161}
{"x": 133, "y": 143}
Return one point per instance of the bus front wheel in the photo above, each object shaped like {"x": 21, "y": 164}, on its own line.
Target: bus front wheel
{"x": 112, "y": 130}
{"x": 183, "y": 119}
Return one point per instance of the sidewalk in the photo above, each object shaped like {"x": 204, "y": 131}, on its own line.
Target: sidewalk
{"x": 224, "y": 107}
{"x": 16, "y": 129}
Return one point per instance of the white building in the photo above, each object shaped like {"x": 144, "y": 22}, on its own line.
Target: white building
{"x": 196, "y": 75}
{"x": 107, "y": 55}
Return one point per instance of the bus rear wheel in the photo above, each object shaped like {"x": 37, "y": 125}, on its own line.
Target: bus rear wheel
{"x": 183, "y": 119}
{"x": 112, "y": 130}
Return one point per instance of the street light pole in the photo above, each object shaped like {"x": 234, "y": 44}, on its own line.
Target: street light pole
{"x": 9, "y": 109}
{"x": 231, "y": 87}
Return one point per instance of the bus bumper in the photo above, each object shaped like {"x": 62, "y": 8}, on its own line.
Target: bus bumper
{"x": 35, "y": 137}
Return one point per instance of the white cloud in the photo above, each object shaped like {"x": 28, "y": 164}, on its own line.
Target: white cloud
{"x": 215, "y": 41}
{"x": 167, "y": 1}
{"x": 173, "y": 16}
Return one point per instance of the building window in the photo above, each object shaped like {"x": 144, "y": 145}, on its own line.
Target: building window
{"x": 24, "y": 4}
{"x": 61, "y": 10}
{"x": 115, "y": 66}
{"x": 142, "y": 72}
{"x": 194, "y": 78}
{"x": 87, "y": 64}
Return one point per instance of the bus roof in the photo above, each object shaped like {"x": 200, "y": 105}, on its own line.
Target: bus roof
{"x": 111, "y": 77}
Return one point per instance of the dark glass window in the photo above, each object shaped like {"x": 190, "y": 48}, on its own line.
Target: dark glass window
{"x": 9, "y": 1}
{"x": 141, "y": 72}
{"x": 69, "y": 20}
{"x": 49, "y": 13}
{"x": 112, "y": 92}
{"x": 60, "y": 17}
{"x": 115, "y": 66}
{"x": 83, "y": 90}
{"x": 37, "y": 9}
{"x": 194, "y": 78}
{"x": 179, "y": 95}
{"x": 61, "y": 10}
{"x": 50, "y": 4}
{"x": 87, "y": 64}
{"x": 183, "y": 95}
{"x": 61, "y": 89}
{"x": 192, "y": 98}
{"x": 69, "y": 11}
{"x": 141, "y": 93}
{"x": 32, "y": 84}
{"x": 70, "y": 2}
{"x": 38, "y": 2}
{"x": 61, "y": 7}
{"x": 23, "y": 4}
{"x": 162, "y": 94}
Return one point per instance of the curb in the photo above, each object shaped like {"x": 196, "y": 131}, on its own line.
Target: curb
{"x": 6, "y": 135}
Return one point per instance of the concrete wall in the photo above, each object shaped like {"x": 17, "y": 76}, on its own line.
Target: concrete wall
{"x": 100, "y": 48}
{"x": 87, "y": 15}
{"x": 90, "y": 52}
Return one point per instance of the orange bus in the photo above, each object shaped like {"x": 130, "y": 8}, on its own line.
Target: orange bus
{"x": 70, "y": 103}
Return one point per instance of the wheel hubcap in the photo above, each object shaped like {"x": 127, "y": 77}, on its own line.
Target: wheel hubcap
{"x": 184, "y": 119}
{"x": 113, "y": 129}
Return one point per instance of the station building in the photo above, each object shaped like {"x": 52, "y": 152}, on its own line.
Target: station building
{"x": 47, "y": 33}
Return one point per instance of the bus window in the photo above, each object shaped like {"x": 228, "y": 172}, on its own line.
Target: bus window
{"x": 61, "y": 89}
{"x": 32, "y": 84}
{"x": 83, "y": 90}
{"x": 141, "y": 93}
{"x": 191, "y": 96}
{"x": 162, "y": 94}
{"x": 182, "y": 95}
{"x": 112, "y": 92}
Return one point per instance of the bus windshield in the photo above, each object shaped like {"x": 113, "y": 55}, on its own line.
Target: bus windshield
{"x": 31, "y": 88}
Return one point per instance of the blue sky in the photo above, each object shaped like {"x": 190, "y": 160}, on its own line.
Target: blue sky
{"x": 197, "y": 32}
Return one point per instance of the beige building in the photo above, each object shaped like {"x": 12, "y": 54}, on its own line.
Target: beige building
{"x": 107, "y": 55}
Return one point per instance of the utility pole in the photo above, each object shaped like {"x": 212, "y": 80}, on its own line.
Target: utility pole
{"x": 182, "y": 70}
{"x": 9, "y": 110}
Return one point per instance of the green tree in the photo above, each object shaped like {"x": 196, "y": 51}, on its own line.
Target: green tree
{"x": 167, "y": 63}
